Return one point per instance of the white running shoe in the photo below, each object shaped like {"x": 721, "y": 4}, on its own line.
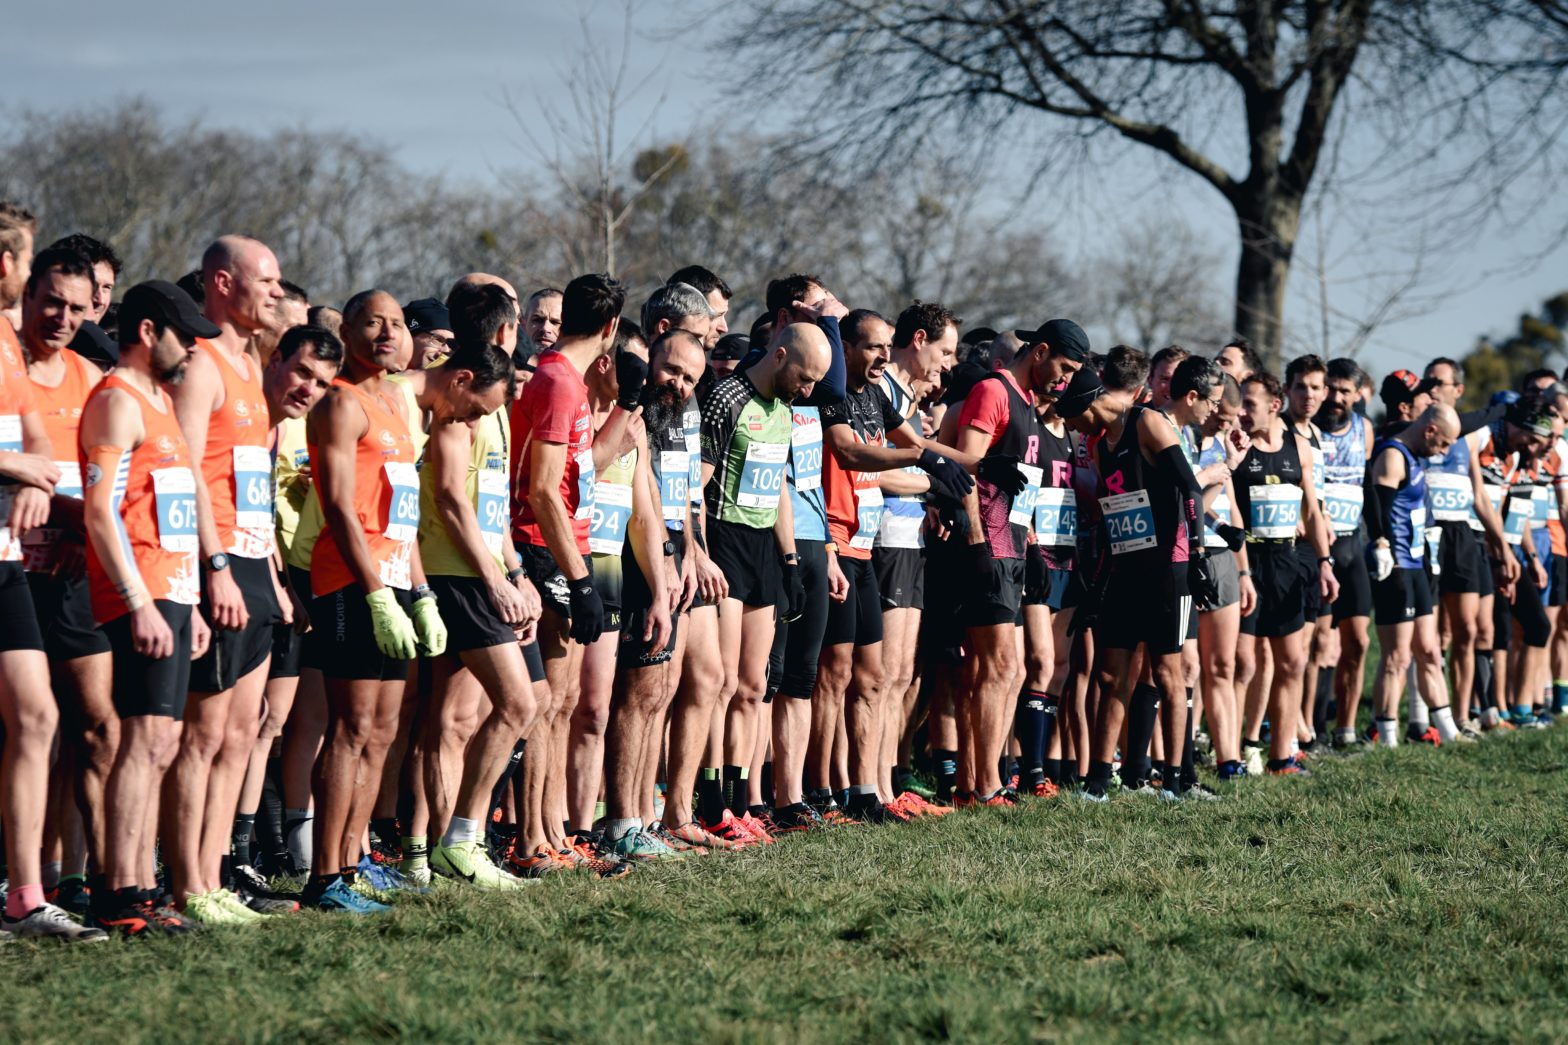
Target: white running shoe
{"x": 51, "y": 923}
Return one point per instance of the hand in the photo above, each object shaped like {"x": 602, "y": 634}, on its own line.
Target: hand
{"x": 1510, "y": 568}
{"x": 794, "y": 593}
{"x": 429, "y": 627}
{"x": 1001, "y": 471}
{"x": 33, "y": 470}
{"x": 151, "y": 635}
{"x": 201, "y": 636}
{"x": 657, "y": 628}
{"x": 1382, "y": 562}
{"x": 533, "y": 605}
{"x": 952, "y": 518}
{"x": 1234, "y": 536}
{"x": 673, "y": 584}
{"x": 29, "y": 511}
{"x": 228, "y": 605}
{"x": 301, "y": 612}
{"x": 1249, "y": 596}
{"x": 507, "y": 600}
{"x": 827, "y": 305}
{"x": 688, "y": 585}
{"x": 715, "y": 587}
{"x": 395, "y": 636}
{"x": 946, "y": 472}
{"x": 631, "y": 373}
{"x": 1328, "y": 584}
{"x": 587, "y": 611}
{"x": 1240, "y": 442}
{"x": 1539, "y": 573}
{"x": 838, "y": 584}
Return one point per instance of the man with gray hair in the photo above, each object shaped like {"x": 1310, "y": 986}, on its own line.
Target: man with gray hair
{"x": 677, "y": 306}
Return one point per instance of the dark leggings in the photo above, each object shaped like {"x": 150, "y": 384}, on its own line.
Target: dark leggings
{"x": 1527, "y": 608}
{"x": 792, "y": 667}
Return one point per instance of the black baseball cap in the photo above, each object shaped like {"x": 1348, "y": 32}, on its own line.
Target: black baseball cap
{"x": 1531, "y": 415}
{"x": 426, "y": 314}
{"x": 95, "y": 345}
{"x": 1084, "y": 388}
{"x": 1402, "y": 386}
{"x": 1063, "y": 335}
{"x": 731, "y": 348}
{"x": 164, "y": 304}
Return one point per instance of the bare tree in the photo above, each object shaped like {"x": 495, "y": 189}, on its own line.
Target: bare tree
{"x": 1156, "y": 286}
{"x": 1198, "y": 84}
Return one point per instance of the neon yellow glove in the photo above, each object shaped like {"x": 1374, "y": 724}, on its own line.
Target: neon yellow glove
{"x": 430, "y": 627}
{"x": 394, "y": 631}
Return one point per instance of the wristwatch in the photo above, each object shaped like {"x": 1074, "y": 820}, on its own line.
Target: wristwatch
{"x": 217, "y": 563}
{"x": 422, "y": 591}
{"x": 669, "y": 548}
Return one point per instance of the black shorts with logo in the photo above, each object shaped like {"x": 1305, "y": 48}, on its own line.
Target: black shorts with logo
{"x": 470, "y": 616}
{"x": 144, "y": 685}
{"x": 540, "y": 566}
{"x": 347, "y": 639}
{"x": 858, "y": 619}
{"x": 749, "y": 559}
{"x": 1355, "y": 582}
{"x": 1462, "y": 556}
{"x": 1276, "y": 574}
{"x": 636, "y": 599}
{"x": 994, "y": 598}
{"x": 1145, "y": 608}
{"x": 901, "y": 577}
{"x": 288, "y": 652}
{"x": 64, "y": 611}
{"x": 1401, "y": 597}
{"x": 234, "y": 654}
{"x": 609, "y": 580}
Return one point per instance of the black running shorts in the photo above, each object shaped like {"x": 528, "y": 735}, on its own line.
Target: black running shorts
{"x": 235, "y": 654}
{"x": 1355, "y": 583}
{"x": 20, "y": 630}
{"x": 858, "y": 619}
{"x": 749, "y": 559}
{"x": 1144, "y": 608}
{"x": 797, "y": 645}
{"x": 539, "y": 565}
{"x": 64, "y": 612}
{"x": 994, "y": 598}
{"x": 470, "y": 616}
{"x": 1462, "y": 557}
{"x": 1276, "y": 574}
{"x": 901, "y": 577}
{"x": 143, "y": 685}
{"x": 1401, "y": 597}
{"x": 1313, "y": 605}
{"x": 348, "y": 647}
{"x": 636, "y": 597}
{"x": 288, "y": 648}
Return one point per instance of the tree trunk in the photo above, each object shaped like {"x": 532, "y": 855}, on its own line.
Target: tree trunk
{"x": 1268, "y": 237}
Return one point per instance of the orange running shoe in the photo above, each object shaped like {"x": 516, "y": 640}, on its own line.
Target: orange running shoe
{"x": 963, "y": 800}
{"x": 838, "y": 818}
{"x": 755, "y": 827}
{"x": 694, "y": 835}
{"x": 1046, "y": 789}
{"x": 539, "y": 863}
{"x": 731, "y": 831}
{"x": 1000, "y": 800}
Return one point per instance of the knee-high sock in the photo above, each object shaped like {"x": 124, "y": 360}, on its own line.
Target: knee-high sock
{"x": 1141, "y": 713}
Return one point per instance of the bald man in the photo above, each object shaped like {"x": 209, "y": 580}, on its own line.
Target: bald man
{"x": 1396, "y": 515}
{"x": 746, "y": 430}
{"x": 223, "y": 414}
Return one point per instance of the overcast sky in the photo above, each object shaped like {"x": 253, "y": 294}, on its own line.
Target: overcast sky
{"x": 430, "y": 78}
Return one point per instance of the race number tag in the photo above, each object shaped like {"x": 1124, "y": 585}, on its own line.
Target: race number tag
{"x": 1343, "y": 503}
{"x": 403, "y": 508}
{"x": 1275, "y": 511}
{"x": 806, "y": 443}
{"x": 1418, "y": 532}
{"x": 252, "y": 488}
{"x": 1434, "y": 538}
{"x": 694, "y": 452}
{"x": 612, "y": 510}
{"x": 868, "y": 517}
{"x": 11, "y": 432}
{"x": 1220, "y": 509}
{"x": 1129, "y": 519}
{"x": 585, "y": 485}
{"x": 762, "y": 475}
{"x": 70, "y": 484}
{"x": 1521, "y": 511}
{"x": 1022, "y": 513}
{"x": 174, "y": 498}
{"x": 491, "y": 507}
{"x": 674, "y": 480}
{"x": 1056, "y": 517}
{"x": 1451, "y": 496}
{"x": 1544, "y": 505}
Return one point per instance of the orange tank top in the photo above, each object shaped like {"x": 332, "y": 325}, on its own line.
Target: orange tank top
{"x": 16, "y": 399}
{"x": 155, "y": 502}
{"x": 237, "y": 465}
{"x": 60, "y": 408}
{"x": 386, "y": 500}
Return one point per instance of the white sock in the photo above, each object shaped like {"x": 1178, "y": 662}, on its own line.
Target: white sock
{"x": 1388, "y": 732}
{"x": 1443, "y": 719}
{"x": 1417, "y": 714}
{"x": 616, "y": 829}
{"x": 460, "y": 830}
{"x": 300, "y": 842}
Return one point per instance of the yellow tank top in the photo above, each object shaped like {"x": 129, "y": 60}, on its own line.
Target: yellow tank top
{"x": 290, "y": 483}
{"x": 612, "y": 506}
{"x": 416, "y": 416}
{"x": 488, "y": 491}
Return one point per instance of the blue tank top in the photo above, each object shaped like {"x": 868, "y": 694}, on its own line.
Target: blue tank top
{"x": 1448, "y": 489}
{"x": 1409, "y": 516}
{"x": 1344, "y": 475}
{"x": 805, "y": 475}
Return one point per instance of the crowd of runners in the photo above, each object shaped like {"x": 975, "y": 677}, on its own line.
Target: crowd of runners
{"x": 367, "y": 596}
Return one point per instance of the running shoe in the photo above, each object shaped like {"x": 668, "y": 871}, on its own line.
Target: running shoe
{"x": 792, "y": 819}
{"x": 1543, "y": 719}
{"x": 918, "y": 806}
{"x": 1143, "y": 790}
{"x": 1201, "y": 792}
{"x": 662, "y": 833}
{"x": 758, "y": 829}
{"x": 836, "y": 817}
{"x": 380, "y": 880}
{"x": 999, "y": 800}
{"x": 765, "y": 818}
{"x": 1086, "y": 795}
{"x": 691, "y": 834}
{"x": 255, "y": 892}
{"x": 165, "y": 918}
{"x": 209, "y": 909}
{"x": 640, "y": 846}
{"x": 1167, "y": 795}
{"x": 874, "y": 812}
{"x": 731, "y": 831}
{"x": 131, "y": 920}
{"x": 1289, "y": 768}
{"x": 51, "y": 923}
{"x": 1232, "y": 771}
{"x": 1349, "y": 748}
{"x": 963, "y": 799}
{"x": 537, "y": 864}
{"x": 385, "y": 850}
{"x": 469, "y": 862}
{"x": 71, "y": 896}
{"x": 1252, "y": 758}
{"x": 1045, "y": 789}
{"x": 1466, "y": 736}
{"x": 340, "y": 897}
{"x": 1502, "y": 725}
{"x": 231, "y": 900}
{"x": 1429, "y": 735}
{"x": 915, "y": 783}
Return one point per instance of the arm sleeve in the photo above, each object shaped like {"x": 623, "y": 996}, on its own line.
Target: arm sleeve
{"x": 1473, "y": 420}
{"x": 1380, "y": 512}
{"x": 1172, "y": 463}
{"x": 834, "y": 384}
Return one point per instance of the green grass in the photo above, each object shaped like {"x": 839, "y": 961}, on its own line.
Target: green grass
{"x": 1406, "y": 894}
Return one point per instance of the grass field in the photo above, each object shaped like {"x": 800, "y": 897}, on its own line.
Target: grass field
{"x": 1406, "y": 894}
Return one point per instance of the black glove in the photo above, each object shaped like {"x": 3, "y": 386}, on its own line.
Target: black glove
{"x": 587, "y": 611}
{"x": 1001, "y": 471}
{"x": 794, "y": 592}
{"x": 1234, "y": 536}
{"x": 946, "y": 473}
{"x": 950, "y": 513}
{"x": 631, "y": 373}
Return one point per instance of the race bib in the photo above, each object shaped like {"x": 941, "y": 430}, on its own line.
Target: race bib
{"x": 396, "y": 570}
{"x": 174, "y": 499}
{"x": 1450, "y": 495}
{"x": 674, "y": 481}
{"x": 1543, "y": 505}
{"x": 252, "y": 488}
{"x": 694, "y": 452}
{"x": 403, "y": 509}
{"x": 868, "y": 517}
{"x": 1275, "y": 511}
{"x": 762, "y": 475}
{"x": 1434, "y": 537}
{"x": 1342, "y": 503}
{"x": 612, "y": 510}
{"x": 585, "y": 485}
{"x": 492, "y": 509}
{"x": 806, "y": 444}
{"x": 1129, "y": 520}
{"x": 1056, "y": 517}
{"x": 1418, "y": 532}
{"x": 11, "y": 432}
{"x": 1022, "y": 513}
{"x": 1521, "y": 511}
{"x": 70, "y": 484}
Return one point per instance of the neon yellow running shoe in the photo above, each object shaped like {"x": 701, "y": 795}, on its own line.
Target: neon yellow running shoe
{"x": 208, "y": 909}
{"x": 231, "y": 901}
{"x": 470, "y": 862}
